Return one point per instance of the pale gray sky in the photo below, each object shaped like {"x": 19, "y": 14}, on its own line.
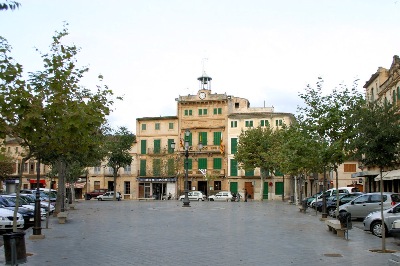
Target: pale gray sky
{"x": 151, "y": 51}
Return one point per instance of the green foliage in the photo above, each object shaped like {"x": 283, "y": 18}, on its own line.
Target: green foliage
{"x": 377, "y": 138}
{"x": 6, "y": 165}
{"x": 330, "y": 118}
{"x": 254, "y": 149}
{"x": 12, "y": 5}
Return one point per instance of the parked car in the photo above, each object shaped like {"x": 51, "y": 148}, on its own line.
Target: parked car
{"x": 395, "y": 230}
{"x": 361, "y": 206}
{"x": 221, "y": 196}
{"x": 373, "y": 221}
{"x": 6, "y": 219}
{"x": 109, "y": 196}
{"x": 30, "y": 198}
{"x": 28, "y": 215}
{"x": 95, "y": 193}
{"x": 24, "y": 204}
{"x": 194, "y": 195}
{"x": 331, "y": 202}
{"x": 333, "y": 191}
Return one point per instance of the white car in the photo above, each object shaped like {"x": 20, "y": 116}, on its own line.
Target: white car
{"x": 6, "y": 219}
{"x": 194, "y": 195}
{"x": 109, "y": 196}
{"x": 221, "y": 196}
{"x": 26, "y": 205}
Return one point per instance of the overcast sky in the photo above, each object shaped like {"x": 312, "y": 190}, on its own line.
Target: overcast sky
{"x": 152, "y": 51}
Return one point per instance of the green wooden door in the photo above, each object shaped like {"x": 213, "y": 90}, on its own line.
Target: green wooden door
{"x": 278, "y": 188}
{"x": 234, "y": 187}
{"x": 265, "y": 192}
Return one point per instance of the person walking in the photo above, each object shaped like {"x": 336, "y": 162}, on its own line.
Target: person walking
{"x": 245, "y": 195}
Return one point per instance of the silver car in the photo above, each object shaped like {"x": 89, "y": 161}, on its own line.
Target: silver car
{"x": 361, "y": 206}
{"x": 373, "y": 221}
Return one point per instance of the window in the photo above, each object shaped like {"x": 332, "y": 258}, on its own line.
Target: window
{"x": 217, "y": 111}
{"x": 142, "y": 168}
{"x": 127, "y": 187}
{"x": 157, "y": 126}
{"x": 97, "y": 170}
{"x": 349, "y": 167}
{"x": 249, "y": 123}
{"x": 96, "y": 184}
{"x": 234, "y": 167}
{"x": 170, "y": 150}
{"x": 190, "y": 164}
{"x": 143, "y": 146}
{"x": 217, "y": 185}
{"x": 143, "y": 126}
{"x": 202, "y": 163}
{"x": 264, "y": 123}
{"x": 278, "y": 188}
{"x": 278, "y": 122}
{"x": 372, "y": 95}
{"x": 171, "y": 167}
{"x": 188, "y": 112}
{"x": 202, "y": 138}
{"x": 233, "y": 123}
{"x": 217, "y": 138}
{"x": 127, "y": 169}
{"x": 249, "y": 172}
{"x": 110, "y": 170}
{"x": 157, "y": 167}
{"x": 157, "y": 146}
{"x": 236, "y": 105}
{"x": 202, "y": 111}
{"x": 217, "y": 163}
{"x": 233, "y": 145}
{"x": 171, "y": 125}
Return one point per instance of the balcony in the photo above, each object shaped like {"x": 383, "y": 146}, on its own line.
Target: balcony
{"x": 214, "y": 172}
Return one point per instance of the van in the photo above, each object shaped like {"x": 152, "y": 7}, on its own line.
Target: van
{"x": 332, "y": 191}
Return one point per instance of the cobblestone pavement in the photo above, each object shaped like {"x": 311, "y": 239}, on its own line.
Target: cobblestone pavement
{"x": 207, "y": 233}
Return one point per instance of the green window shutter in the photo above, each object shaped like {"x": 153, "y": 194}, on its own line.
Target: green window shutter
{"x": 143, "y": 146}
{"x": 217, "y": 138}
{"x": 215, "y": 111}
{"x": 157, "y": 146}
{"x": 278, "y": 173}
{"x": 171, "y": 126}
{"x": 217, "y": 163}
{"x": 278, "y": 188}
{"x": 143, "y": 126}
{"x": 186, "y": 112}
{"x": 200, "y": 111}
{"x": 233, "y": 145}
{"x": 202, "y": 163}
{"x": 190, "y": 139}
{"x": 171, "y": 167}
{"x": 247, "y": 124}
{"x": 203, "y": 138}
{"x": 190, "y": 164}
{"x": 266, "y": 123}
{"x": 262, "y": 123}
{"x": 205, "y": 111}
{"x": 234, "y": 167}
{"x": 170, "y": 150}
{"x": 190, "y": 112}
{"x": 156, "y": 167}
{"x": 280, "y": 122}
{"x": 142, "y": 167}
{"x": 251, "y": 123}
{"x": 157, "y": 126}
{"x": 276, "y": 122}
{"x": 220, "y": 111}
{"x": 249, "y": 172}
{"x": 236, "y": 123}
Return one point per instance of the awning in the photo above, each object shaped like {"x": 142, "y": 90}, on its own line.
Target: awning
{"x": 34, "y": 181}
{"x": 365, "y": 173}
{"x": 389, "y": 175}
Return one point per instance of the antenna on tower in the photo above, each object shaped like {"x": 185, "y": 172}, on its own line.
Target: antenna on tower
{"x": 203, "y": 63}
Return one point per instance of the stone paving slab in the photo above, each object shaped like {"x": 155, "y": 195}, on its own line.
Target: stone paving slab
{"x": 207, "y": 233}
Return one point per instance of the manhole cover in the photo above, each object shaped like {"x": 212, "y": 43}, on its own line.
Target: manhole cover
{"x": 333, "y": 255}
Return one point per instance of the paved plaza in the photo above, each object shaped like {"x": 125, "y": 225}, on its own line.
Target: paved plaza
{"x": 207, "y": 233}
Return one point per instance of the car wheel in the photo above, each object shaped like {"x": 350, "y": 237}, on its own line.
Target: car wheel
{"x": 331, "y": 212}
{"x": 198, "y": 199}
{"x": 100, "y": 199}
{"x": 376, "y": 229}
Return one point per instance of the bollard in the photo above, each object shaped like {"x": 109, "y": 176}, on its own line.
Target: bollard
{"x": 14, "y": 248}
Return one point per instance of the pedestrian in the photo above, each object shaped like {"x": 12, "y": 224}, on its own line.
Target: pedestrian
{"x": 245, "y": 195}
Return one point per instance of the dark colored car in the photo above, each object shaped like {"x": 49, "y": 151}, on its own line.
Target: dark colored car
{"x": 331, "y": 202}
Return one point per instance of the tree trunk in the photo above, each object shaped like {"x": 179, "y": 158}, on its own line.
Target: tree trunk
{"x": 18, "y": 188}
{"x": 60, "y": 202}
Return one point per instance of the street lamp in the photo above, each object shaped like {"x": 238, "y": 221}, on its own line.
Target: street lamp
{"x": 37, "y": 229}
{"x": 186, "y": 202}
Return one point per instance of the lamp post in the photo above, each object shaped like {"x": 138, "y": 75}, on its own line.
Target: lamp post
{"x": 37, "y": 229}
{"x": 186, "y": 202}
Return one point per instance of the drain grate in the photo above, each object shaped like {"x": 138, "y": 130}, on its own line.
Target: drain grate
{"x": 333, "y": 255}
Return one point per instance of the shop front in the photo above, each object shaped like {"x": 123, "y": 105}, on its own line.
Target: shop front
{"x": 156, "y": 187}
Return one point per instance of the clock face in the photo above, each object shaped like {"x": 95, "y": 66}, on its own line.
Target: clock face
{"x": 202, "y": 95}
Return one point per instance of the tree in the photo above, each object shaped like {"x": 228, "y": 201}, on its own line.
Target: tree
{"x": 331, "y": 118}
{"x": 6, "y": 165}
{"x": 9, "y": 5}
{"x": 118, "y": 147}
{"x": 254, "y": 150}
{"x": 376, "y": 141}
